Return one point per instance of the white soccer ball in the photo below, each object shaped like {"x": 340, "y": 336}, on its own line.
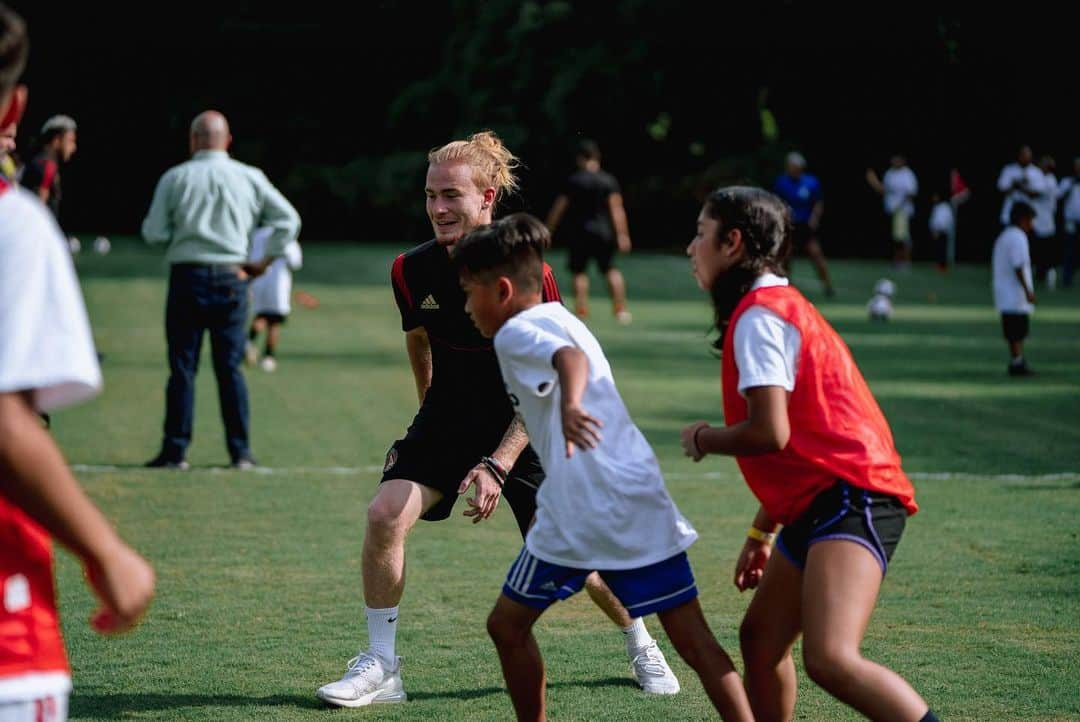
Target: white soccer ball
{"x": 74, "y": 244}
{"x": 102, "y": 245}
{"x": 880, "y": 308}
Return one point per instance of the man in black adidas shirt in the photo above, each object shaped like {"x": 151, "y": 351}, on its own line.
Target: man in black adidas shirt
{"x": 464, "y": 436}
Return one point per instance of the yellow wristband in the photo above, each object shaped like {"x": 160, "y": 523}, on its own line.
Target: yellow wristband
{"x": 758, "y": 535}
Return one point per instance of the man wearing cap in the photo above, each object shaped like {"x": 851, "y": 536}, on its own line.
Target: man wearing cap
{"x": 802, "y": 192}
{"x": 56, "y": 146}
{"x": 205, "y": 210}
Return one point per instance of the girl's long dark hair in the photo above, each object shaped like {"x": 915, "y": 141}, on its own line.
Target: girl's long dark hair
{"x": 765, "y": 224}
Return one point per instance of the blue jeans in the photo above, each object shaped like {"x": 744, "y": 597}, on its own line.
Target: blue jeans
{"x": 206, "y": 298}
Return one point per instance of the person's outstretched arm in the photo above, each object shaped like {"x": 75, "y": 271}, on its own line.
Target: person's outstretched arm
{"x": 558, "y": 209}
{"x": 580, "y": 429}
{"x": 157, "y": 226}
{"x": 618, "y": 221}
{"x": 418, "y": 346}
{"x": 765, "y": 430}
{"x": 34, "y": 475}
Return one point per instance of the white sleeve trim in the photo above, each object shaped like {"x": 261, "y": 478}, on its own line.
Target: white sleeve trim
{"x": 766, "y": 350}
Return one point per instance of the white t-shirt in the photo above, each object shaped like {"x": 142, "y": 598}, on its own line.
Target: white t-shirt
{"x": 605, "y": 508}
{"x": 898, "y": 184}
{"x": 766, "y": 346}
{"x": 1010, "y": 253}
{"x": 45, "y": 341}
{"x": 1033, "y": 181}
{"x": 1045, "y": 205}
{"x": 1069, "y": 192}
{"x": 270, "y": 292}
{"x": 942, "y": 219}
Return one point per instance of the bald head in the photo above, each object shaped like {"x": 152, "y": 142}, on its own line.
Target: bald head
{"x": 210, "y": 131}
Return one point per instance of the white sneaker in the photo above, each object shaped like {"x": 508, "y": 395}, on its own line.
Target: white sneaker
{"x": 269, "y": 363}
{"x": 365, "y": 682}
{"x": 652, "y": 672}
{"x": 623, "y": 316}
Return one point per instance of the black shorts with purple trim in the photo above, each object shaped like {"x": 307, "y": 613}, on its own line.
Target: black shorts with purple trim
{"x": 644, "y": 590}
{"x": 868, "y": 518}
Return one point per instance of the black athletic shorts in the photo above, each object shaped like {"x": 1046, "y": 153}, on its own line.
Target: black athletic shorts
{"x": 587, "y": 245}
{"x": 1015, "y": 326}
{"x": 870, "y": 518}
{"x": 442, "y": 463}
{"x": 801, "y": 234}
{"x": 271, "y": 317}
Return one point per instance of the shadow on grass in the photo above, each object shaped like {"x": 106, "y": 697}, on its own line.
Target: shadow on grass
{"x": 1042, "y": 487}
{"x": 121, "y": 705}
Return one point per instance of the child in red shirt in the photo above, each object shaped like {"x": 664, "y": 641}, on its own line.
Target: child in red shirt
{"x": 818, "y": 454}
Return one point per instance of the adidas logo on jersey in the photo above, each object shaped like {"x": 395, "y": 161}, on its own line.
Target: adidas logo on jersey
{"x": 548, "y": 587}
{"x": 429, "y": 304}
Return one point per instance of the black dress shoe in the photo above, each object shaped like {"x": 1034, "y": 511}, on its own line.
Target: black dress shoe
{"x": 161, "y": 461}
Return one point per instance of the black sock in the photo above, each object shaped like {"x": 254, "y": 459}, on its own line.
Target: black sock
{"x": 929, "y": 717}
{"x": 269, "y": 351}
{"x": 252, "y": 334}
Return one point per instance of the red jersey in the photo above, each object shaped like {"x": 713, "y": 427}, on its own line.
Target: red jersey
{"x": 30, "y": 641}
{"x": 838, "y": 431}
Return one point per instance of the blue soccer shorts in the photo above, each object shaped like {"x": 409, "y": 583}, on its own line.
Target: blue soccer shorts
{"x": 644, "y": 590}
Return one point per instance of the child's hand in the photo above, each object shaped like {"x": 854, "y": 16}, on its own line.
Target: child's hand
{"x": 580, "y": 429}
{"x": 689, "y": 440}
{"x": 751, "y": 564}
{"x": 124, "y": 583}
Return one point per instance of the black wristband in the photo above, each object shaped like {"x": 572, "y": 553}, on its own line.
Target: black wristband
{"x": 697, "y": 446}
{"x": 495, "y": 468}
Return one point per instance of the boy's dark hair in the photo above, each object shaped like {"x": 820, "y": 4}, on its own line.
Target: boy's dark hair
{"x": 1019, "y": 211}
{"x": 588, "y": 149}
{"x": 765, "y": 223}
{"x": 512, "y": 246}
{"x": 14, "y": 47}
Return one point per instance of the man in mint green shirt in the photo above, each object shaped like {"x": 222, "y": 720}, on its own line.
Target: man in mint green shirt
{"x": 205, "y": 210}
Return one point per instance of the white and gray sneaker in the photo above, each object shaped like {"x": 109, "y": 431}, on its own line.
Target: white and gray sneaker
{"x": 652, "y": 672}
{"x": 366, "y": 681}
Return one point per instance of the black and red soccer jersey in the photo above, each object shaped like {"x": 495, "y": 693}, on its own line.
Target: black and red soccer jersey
{"x": 467, "y": 390}
{"x": 43, "y": 174}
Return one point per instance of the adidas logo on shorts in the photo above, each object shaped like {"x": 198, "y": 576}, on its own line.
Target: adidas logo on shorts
{"x": 429, "y": 304}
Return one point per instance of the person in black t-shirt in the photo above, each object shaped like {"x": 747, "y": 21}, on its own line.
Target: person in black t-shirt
{"x": 56, "y": 146}
{"x": 465, "y": 434}
{"x": 590, "y": 211}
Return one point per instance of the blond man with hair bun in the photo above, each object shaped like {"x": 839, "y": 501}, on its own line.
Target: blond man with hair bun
{"x": 465, "y": 435}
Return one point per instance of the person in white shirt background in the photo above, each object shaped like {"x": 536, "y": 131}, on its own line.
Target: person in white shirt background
{"x": 942, "y": 230}
{"x": 1045, "y": 246}
{"x": 1014, "y": 292}
{"x": 270, "y": 294}
{"x": 898, "y": 188}
{"x": 1019, "y": 181}
{"x": 1069, "y": 193}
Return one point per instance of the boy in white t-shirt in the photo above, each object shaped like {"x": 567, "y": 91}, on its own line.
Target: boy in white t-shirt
{"x": 270, "y": 294}
{"x": 1014, "y": 292}
{"x": 603, "y": 505}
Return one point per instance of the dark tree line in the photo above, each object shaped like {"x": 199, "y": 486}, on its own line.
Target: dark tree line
{"x": 339, "y": 104}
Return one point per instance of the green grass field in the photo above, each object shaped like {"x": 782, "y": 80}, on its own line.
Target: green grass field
{"x": 259, "y": 599}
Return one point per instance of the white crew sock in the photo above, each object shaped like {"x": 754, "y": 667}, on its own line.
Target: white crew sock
{"x": 382, "y": 629}
{"x": 637, "y": 637}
